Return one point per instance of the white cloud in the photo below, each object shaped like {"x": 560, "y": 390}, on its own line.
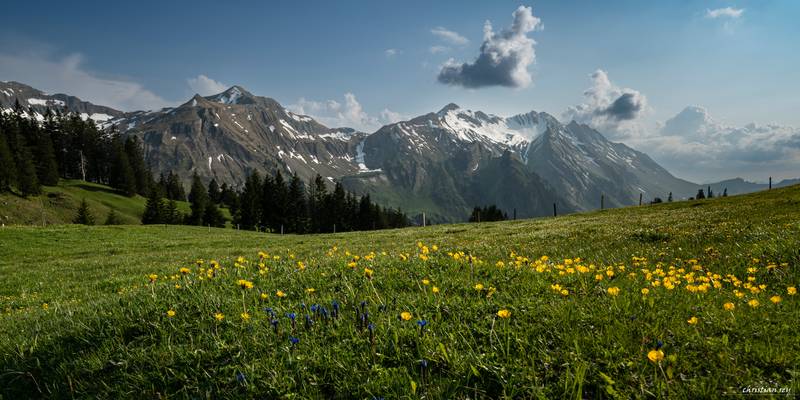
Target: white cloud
{"x": 205, "y": 86}
{"x": 438, "y": 49}
{"x": 504, "y": 56}
{"x": 348, "y": 113}
{"x": 392, "y": 52}
{"x": 449, "y": 36}
{"x": 727, "y": 12}
{"x": 68, "y": 75}
{"x": 614, "y": 111}
{"x": 695, "y": 146}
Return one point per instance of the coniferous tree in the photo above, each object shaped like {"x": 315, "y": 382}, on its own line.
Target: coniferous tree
{"x": 46, "y": 165}
{"x": 725, "y": 192}
{"x": 83, "y": 216}
{"x": 27, "y": 181}
{"x": 122, "y": 174}
{"x": 710, "y": 193}
{"x": 700, "y": 195}
{"x": 198, "y": 197}
{"x": 213, "y": 216}
{"x": 213, "y": 191}
{"x": 153, "y": 208}
{"x": 113, "y": 218}
{"x": 169, "y": 212}
{"x": 8, "y": 169}
{"x": 669, "y": 198}
{"x": 141, "y": 174}
{"x": 249, "y": 209}
{"x": 296, "y": 206}
{"x": 280, "y": 202}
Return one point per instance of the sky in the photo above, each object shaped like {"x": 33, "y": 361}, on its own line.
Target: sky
{"x": 707, "y": 88}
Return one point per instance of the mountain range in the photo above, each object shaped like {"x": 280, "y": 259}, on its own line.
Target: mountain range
{"x": 442, "y": 163}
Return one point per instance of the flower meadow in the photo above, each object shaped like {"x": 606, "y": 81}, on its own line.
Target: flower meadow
{"x": 605, "y": 305}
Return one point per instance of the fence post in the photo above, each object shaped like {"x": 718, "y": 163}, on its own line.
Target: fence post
{"x": 281, "y": 229}
{"x": 515, "y": 214}
{"x": 423, "y": 219}
{"x": 602, "y": 202}
{"x": 640, "y": 198}
{"x": 555, "y": 212}
{"x": 770, "y": 183}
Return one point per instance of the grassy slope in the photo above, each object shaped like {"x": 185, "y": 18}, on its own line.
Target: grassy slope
{"x": 105, "y": 332}
{"x": 58, "y": 205}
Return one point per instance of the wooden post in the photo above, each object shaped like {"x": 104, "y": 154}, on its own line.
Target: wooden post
{"x": 209, "y": 228}
{"x": 237, "y": 227}
{"x": 281, "y": 229}
{"x": 602, "y": 202}
{"x": 770, "y": 183}
{"x": 334, "y": 228}
{"x": 515, "y": 214}
{"x": 555, "y": 212}
{"x": 423, "y": 219}
{"x": 640, "y": 198}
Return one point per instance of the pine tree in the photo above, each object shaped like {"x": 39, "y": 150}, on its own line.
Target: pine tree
{"x": 175, "y": 189}
{"x": 113, "y": 218}
{"x": 170, "y": 213}
{"x": 46, "y": 165}
{"x": 669, "y": 199}
{"x": 213, "y": 216}
{"x": 8, "y": 169}
{"x": 700, "y": 195}
{"x": 248, "y": 213}
{"x": 83, "y": 216}
{"x": 141, "y": 174}
{"x": 213, "y": 191}
{"x": 296, "y": 206}
{"x": 198, "y": 197}
{"x": 122, "y": 174}
{"x": 27, "y": 181}
{"x": 153, "y": 209}
{"x": 725, "y": 192}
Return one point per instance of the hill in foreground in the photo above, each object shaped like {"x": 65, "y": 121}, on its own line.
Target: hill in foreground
{"x": 682, "y": 300}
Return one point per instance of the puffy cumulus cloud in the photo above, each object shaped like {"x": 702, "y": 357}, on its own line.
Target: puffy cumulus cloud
{"x": 205, "y": 86}
{"x": 348, "y": 113}
{"x": 504, "y": 56}
{"x": 727, "y": 12}
{"x": 614, "y": 111}
{"x": 694, "y": 145}
{"x": 68, "y": 75}
{"x": 449, "y": 36}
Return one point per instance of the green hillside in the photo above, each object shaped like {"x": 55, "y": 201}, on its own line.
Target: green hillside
{"x": 680, "y": 300}
{"x": 58, "y": 205}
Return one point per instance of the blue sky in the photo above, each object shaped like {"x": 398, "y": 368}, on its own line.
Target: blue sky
{"x": 739, "y": 65}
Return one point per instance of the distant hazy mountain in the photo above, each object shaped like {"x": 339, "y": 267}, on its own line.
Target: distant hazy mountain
{"x": 441, "y": 163}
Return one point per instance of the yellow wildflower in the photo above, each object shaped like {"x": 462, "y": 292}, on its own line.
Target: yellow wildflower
{"x": 170, "y": 313}
{"x": 729, "y": 306}
{"x": 693, "y": 321}
{"x": 775, "y": 299}
{"x": 504, "y": 313}
{"x": 655, "y": 355}
{"x": 614, "y": 291}
{"x": 219, "y": 316}
{"x": 406, "y": 316}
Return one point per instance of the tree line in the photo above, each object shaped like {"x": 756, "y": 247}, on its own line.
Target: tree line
{"x": 275, "y": 204}
{"x": 36, "y": 152}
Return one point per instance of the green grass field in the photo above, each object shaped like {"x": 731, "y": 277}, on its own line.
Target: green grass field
{"x": 59, "y": 204}
{"x": 82, "y": 317}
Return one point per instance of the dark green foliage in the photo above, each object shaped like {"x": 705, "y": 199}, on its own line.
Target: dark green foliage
{"x": 152, "y": 209}
{"x": 198, "y": 197}
{"x": 113, "y": 218}
{"x": 487, "y": 214}
{"x": 8, "y": 169}
{"x": 122, "y": 176}
{"x": 214, "y": 194}
{"x": 700, "y": 195}
{"x": 83, "y": 216}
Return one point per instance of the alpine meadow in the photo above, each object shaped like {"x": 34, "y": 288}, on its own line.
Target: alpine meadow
{"x": 426, "y": 200}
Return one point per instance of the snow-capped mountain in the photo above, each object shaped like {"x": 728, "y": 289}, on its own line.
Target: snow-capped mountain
{"x": 35, "y": 102}
{"x": 441, "y": 163}
{"x": 228, "y": 135}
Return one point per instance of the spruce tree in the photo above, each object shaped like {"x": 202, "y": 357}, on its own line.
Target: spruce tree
{"x": 700, "y": 195}
{"x": 213, "y": 191}
{"x": 170, "y": 213}
{"x": 122, "y": 174}
{"x": 113, "y": 218}
{"x": 198, "y": 197}
{"x": 296, "y": 206}
{"x": 669, "y": 199}
{"x": 153, "y": 209}
{"x": 27, "y": 181}
{"x": 213, "y": 216}
{"x": 83, "y": 216}
{"x": 8, "y": 169}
